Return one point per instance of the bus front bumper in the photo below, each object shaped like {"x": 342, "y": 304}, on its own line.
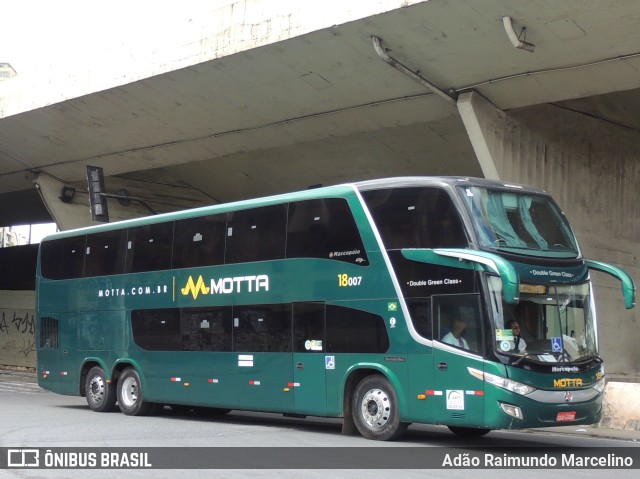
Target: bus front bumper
{"x": 543, "y": 409}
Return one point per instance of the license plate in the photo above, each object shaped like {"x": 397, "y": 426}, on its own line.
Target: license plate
{"x": 566, "y": 416}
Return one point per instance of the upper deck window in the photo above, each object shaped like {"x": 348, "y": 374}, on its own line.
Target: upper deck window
{"x": 149, "y": 247}
{"x": 519, "y": 222}
{"x": 105, "y": 253}
{"x": 257, "y": 234}
{"x": 63, "y": 258}
{"x": 324, "y": 228}
{"x": 317, "y": 228}
{"x": 199, "y": 241}
{"x": 416, "y": 217}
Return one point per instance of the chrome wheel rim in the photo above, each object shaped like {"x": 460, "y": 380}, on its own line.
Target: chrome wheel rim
{"x": 97, "y": 388}
{"x": 129, "y": 392}
{"x": 375, "y": 408}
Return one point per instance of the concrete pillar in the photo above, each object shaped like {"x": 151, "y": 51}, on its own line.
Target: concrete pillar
{"x": 591, "y": 168}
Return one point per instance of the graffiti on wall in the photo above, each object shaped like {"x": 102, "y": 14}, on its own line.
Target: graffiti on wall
{"x": 17, "y": 338}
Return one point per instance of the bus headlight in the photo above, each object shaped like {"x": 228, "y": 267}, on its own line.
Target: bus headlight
{"x": 599, "y": 386}
{"x": 504, "y": 383}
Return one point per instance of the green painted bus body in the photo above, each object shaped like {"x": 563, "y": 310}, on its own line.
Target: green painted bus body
{"x": 434, "y": 383}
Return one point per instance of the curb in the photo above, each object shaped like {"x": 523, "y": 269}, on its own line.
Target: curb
{"x": 15, "y": 371}
{"x": 593, "y": 431}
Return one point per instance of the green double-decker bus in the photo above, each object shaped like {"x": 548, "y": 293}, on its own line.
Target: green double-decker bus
{"x": 440, "y": 300}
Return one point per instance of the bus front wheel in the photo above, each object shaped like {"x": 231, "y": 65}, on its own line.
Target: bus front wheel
{"x": 375, "y": 409}
{"x": 100, "y": 394}
{"x": 130, "y": 394}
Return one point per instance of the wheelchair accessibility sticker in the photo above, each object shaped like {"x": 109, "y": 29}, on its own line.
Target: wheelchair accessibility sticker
{"x": 556, "y": 345}
{"x": 329, "y": 362}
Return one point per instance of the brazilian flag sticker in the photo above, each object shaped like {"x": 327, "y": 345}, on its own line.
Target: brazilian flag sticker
{"x": 392, "y": 306}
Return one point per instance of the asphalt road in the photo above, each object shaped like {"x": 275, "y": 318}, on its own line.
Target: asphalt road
{"x": 33, "y": 418}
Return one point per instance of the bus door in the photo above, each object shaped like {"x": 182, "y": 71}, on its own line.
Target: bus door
{"x": 309, "y": 359}
{"x": 457, "y": 328}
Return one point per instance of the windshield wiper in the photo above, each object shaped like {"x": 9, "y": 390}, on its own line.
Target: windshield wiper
{"x": 591, "y": 357}
{"x": 519, "y": 360}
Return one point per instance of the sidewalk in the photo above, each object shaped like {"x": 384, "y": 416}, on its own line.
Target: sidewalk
{"x": 18, "y": 371}
{"x": 594, "y": 430}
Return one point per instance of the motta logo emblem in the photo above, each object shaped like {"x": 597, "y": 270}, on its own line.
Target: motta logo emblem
{"x": 195, "y": 288}
{"x": 235, "y": 284}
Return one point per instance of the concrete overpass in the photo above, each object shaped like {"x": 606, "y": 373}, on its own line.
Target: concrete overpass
{"x": 274, "y": 99}
{"x": 283, "y": 103}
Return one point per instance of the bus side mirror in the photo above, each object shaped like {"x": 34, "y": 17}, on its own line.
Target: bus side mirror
{"x": 628, "y": 286}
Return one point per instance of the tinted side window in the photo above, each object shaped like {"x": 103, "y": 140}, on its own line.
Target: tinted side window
{"x": 308, "y": 327}
{"x": 63, "y": 258}
{"x": 149, "y": 247}
{"x": 419, "y": 217}
{"x": 258, "y": 234}
{"x": 199, "y": 241}
{"x": 324, "y": 228}
{"x": 354, "y": 331}
{"x": 206, "y": 329}
{"x": 105, "y": 253}
{"x": 156, "y": 329}
{"x": 457, "y": 320}
{"x": 262, "y": 328}
{"x": 420, "y": 309}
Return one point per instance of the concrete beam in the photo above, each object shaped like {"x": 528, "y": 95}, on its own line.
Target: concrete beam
{"x": 65, "y": 215}
{"x": 76, "y": 213}
{"x": 480, "y": 119}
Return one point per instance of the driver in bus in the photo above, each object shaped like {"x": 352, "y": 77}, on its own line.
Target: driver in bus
{"x": 519, "y": 345}
{"x": 454, "y": 337}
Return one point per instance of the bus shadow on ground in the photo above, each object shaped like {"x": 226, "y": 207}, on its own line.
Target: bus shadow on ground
{"x": 417, "y": 434}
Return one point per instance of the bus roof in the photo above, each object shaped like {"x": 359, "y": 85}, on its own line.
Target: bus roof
{"x": 341, "y": 190}
{"x": 451, "y": 181}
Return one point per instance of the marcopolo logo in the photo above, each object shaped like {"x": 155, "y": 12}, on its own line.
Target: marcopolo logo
{"x": 235, "y": 284}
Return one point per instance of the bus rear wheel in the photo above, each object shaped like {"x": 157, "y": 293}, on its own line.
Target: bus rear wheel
{"x": 100, "y": 394}
{"x": 130, "y": 398}
{"x": 375, "y": 409}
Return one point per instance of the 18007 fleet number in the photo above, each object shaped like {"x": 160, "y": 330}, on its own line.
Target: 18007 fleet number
{"x": 344, "y": 280}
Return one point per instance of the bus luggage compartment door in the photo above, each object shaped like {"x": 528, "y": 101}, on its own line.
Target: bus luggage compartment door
{"x": 309, "y": 384}
{"x": 309, "y": 358}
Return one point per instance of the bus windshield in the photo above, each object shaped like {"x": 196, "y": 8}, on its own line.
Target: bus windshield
{"x": 551, "y": 323}
{"x": 519, "y": 222}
